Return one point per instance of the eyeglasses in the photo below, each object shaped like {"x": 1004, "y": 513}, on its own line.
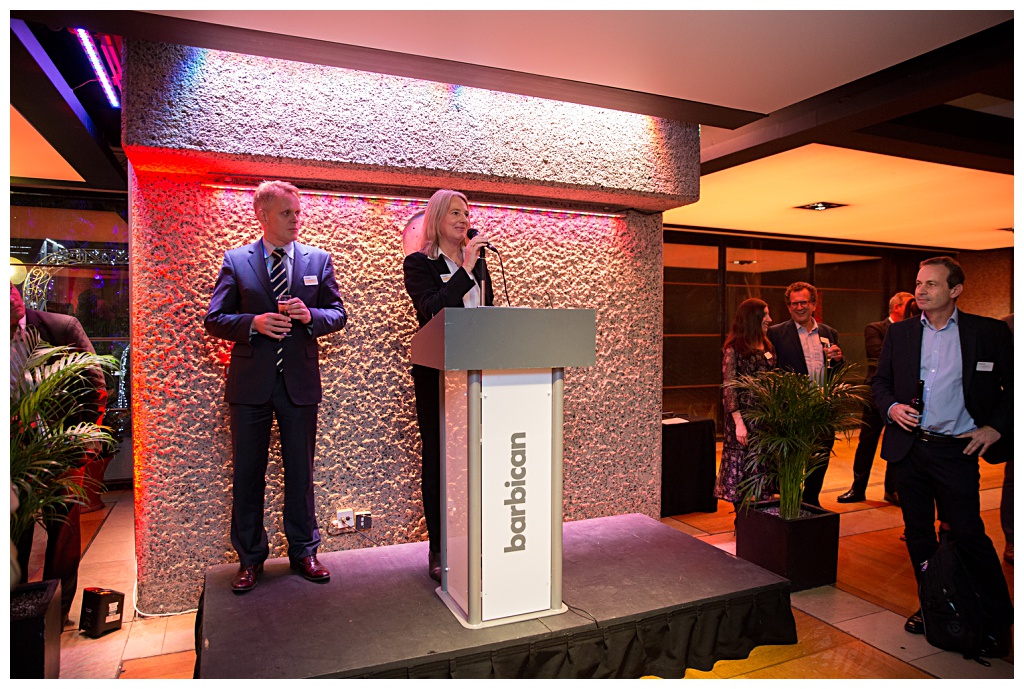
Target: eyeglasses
{"x": 800, "y": 304}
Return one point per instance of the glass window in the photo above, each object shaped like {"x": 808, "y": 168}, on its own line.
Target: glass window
{"x": 851, "y": 294}
{"x": 763, "y": 274}
{"x": 693, "y": 330}
{"x": 70, "y": 256}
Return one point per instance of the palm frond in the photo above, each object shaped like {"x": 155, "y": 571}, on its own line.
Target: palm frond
{"x": 790, "y": 416}
{"x": 47, "y": 437}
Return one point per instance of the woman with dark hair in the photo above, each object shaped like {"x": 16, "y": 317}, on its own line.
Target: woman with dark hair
{"x": 911, "y": 309}
{"x": 746, "y": 351}
{"x": 447, "y": 272}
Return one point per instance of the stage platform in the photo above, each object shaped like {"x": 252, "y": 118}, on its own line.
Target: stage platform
{"x": 645, "y": 600}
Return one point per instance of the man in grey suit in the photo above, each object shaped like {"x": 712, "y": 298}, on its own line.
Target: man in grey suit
{"x": 274, "y": 371}
{"x": 871, "y": 431}
{"x": 805, "y": 346}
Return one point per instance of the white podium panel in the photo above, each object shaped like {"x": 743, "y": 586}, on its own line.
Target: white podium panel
{"x": 515, "y": 492}
{"x": 502, "y": 405}
{"x": 455, "y": 497}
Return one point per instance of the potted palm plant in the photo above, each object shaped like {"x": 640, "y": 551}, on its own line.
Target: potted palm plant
{"x": 789, "y": 417}
{"x": 47, "y": 443}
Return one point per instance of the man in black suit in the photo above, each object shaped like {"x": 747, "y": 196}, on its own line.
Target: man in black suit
{"x": 805, "y": 346}
{"x": 274, "y": 371}
{"x": 966, "y": 364}
{"x": 871, "y": 431}
{"x": 63, "y": 536}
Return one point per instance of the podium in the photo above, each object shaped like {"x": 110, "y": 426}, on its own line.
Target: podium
{"x": 502, "y": 377}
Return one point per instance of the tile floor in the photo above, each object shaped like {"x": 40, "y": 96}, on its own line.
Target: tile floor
{"x": 841, "y": 634}
{"x": 109, "y": 562}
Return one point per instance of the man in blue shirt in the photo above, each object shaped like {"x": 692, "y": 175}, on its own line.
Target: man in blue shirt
{"x": 966, "y": 364}
{"x": 804, "y": 345}
{"x": 273, "y": 299}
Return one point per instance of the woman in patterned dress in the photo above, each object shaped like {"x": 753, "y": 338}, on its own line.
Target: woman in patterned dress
{"x": 746, "y": 351}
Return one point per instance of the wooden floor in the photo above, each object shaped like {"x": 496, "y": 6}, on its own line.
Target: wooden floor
{"x": 169, "y": 666}
{"x": 823, "y": 652}
{"x": 873, "y": 566}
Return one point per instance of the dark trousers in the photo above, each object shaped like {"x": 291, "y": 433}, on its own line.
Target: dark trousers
{"x": 1006, "y": 503}
{"x": 428, "y": 416}
{"x": 63, "y": 554}
{"x": 867, "y": 445}
{"x": 250, "y": 442}
{"x": 812, "y": 486}
{"x": 941, "y": 475}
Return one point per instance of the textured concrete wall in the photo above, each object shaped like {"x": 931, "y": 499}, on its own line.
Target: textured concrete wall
{"x": 224, "y": 112}
{"x": 368, "y": 445}
{"x": 988, "y": 289}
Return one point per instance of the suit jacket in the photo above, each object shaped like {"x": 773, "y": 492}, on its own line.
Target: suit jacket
{"x": 789, "y": 352}
{"x": 430, "y": 293}
{"x": 874, "y": 336}
{"x": 60, "y": 330}
{"x": 988, "y": 395}
{"x": 242, "y": 291}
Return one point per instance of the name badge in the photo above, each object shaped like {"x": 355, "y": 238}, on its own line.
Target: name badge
{"x": 309, "y": 280}
{"x": 824, "y": 342}
{"x": 446, "y": 277}
{"x": 768, "y": 356}
{"x": 984, "y": 366}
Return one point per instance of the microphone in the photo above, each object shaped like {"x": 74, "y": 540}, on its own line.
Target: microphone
{"x": 471, "y": 232}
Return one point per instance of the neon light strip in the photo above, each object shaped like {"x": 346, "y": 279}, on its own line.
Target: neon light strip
{"x": 94, "y": 59}
{"x": 410, "y": 199}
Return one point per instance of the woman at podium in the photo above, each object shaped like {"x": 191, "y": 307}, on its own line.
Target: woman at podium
{"x": 448, "y": 271}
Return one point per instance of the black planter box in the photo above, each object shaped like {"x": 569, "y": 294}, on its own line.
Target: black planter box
{"x": 35, "y": 630}
{"x": 804, "y": 550}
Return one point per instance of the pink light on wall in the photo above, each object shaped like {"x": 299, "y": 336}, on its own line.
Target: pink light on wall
{"x": 409, "y": 200}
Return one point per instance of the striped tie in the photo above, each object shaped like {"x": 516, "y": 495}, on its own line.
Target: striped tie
{"x": 279, "y": 280}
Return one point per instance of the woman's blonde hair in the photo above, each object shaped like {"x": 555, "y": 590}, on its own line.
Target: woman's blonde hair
{"x": 437, "y": 208}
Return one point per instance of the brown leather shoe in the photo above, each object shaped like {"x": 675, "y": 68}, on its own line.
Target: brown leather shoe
{"x": 246, "y": 577}
{"x": 311, "y": 569}
{"x": 434, "y": 565}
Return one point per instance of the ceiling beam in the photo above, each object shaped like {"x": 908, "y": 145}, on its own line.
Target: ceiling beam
{"x": 161, "y": 29}
{"x": 981, "y": 63}
{"x": 943, "y": 134}
{"x": 43, "y": 97}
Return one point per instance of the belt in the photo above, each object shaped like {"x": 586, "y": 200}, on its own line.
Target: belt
{"x": 929, "y": 437}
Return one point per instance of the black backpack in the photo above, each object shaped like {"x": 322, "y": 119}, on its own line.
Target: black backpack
{"x": 953, "y": 617}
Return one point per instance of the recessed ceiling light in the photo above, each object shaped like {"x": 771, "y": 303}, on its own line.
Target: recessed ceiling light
{"x": 744, "y": 262}
{"x": 821, "y": 206}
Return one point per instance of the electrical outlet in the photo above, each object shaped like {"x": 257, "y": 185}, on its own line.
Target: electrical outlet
{"x": 346, "y": 519}
{"x": 364, "y": 520}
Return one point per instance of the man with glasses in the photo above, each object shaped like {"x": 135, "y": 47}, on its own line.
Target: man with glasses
{"x": 805, "y": 346}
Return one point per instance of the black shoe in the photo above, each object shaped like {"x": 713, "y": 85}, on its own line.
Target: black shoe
{"x": 993, "y": 647}
{"x": 915, "y": 623}
{"x": 891, "y": 497}
{"x": 434, "y": 565}
{"x": 851, "y": 496}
